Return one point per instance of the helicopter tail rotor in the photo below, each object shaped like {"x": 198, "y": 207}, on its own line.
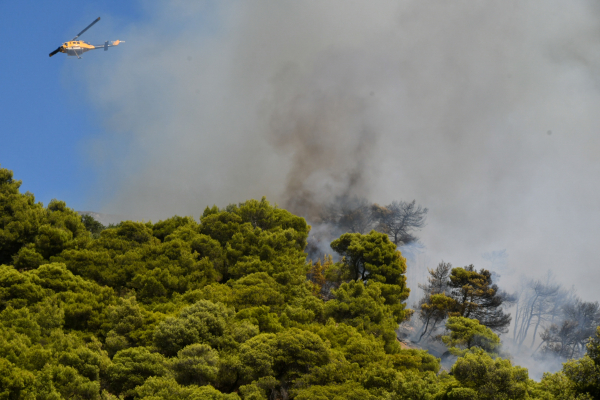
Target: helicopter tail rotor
{"x": 55, "y": 51}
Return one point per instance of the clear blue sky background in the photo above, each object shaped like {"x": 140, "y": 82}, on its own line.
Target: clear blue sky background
{"x": 44, "y": 119}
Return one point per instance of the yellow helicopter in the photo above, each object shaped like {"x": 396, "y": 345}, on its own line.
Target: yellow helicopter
{"x": 76, "y": 47}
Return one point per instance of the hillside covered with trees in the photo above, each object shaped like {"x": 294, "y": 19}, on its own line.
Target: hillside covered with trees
{"x": 229, "y": 307}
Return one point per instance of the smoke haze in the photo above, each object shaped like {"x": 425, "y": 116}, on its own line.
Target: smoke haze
{"x": 484, "y": 112}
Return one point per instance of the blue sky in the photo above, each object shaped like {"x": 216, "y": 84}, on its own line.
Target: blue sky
{"x": 45, "y": 121}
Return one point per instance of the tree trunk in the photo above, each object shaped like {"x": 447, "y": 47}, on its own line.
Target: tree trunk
{"x": 536, "y": 328}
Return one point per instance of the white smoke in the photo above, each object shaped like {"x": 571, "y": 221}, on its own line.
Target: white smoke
{"x": 484, "y": 112}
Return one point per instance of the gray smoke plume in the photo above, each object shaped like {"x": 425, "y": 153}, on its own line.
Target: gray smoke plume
{"x": 484, "y": 112}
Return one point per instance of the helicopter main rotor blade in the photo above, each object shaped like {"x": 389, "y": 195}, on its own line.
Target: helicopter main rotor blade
{"x": 88, "y": 27}
{"x": 55, "y": 51}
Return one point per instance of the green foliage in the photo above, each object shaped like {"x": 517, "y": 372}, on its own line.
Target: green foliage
{"x": 466, "y": 333}
{"x": 252, "y": 392}
{"x": 350, "y": 391}
{"x": 593, "y": 348}
{"x": 162, "y": 229}
{"x": 374, "y": 258}
{"x": 261, "y": 317}
{"x": 48, "y": 365}
{"x": 27, "y": 258}
{"x": 65, "y": 380}
{"x": 93, "y": 226}
{"x": 196, "y": 364}
{"x": 415, "y": 360}
{"x": 15, "y": 383}
{"x": 284, "y": 355}
{"x": 477, "y": 297}
{"x": 420, "y": 386}
{"x": 44, "y": 232}
{"x": 215, "y": 292}
{"x": 370, "y": 257}
{"x": 131, "y": 368}
{"x": 228, "y": 307}
{"x": 357, "y": 304}
{"x": 81, "y": 302}
{"x": 20, "y": 217}
{"x": 156, "y": 388}
{"x": 579, "y": 379}
{"x": 364, "y": 307}
{"x": 256, "y": 289}
{"x": 257, "y": 237}
{"x": 204, "y": 322}
{"x": 584, "y": 375}
{"x": 479, "y": 376}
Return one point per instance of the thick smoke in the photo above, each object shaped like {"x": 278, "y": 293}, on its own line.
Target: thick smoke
{"x": 484, "y": 112}
{"x": 326, "y": 134}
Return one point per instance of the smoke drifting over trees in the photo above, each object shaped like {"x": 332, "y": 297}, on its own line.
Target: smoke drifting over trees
{"x": 448, "y": 103}
{"x": 462, "y": 292}
{"x": 542, "y": 324}
{"x": 555, "y": 318}
{"x": 398, "y": 220}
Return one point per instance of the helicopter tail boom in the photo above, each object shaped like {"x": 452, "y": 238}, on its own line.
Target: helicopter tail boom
{"x": 108, "y": 44}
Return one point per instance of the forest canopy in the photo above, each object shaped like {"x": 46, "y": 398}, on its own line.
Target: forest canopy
{"x": 228, "y": 307}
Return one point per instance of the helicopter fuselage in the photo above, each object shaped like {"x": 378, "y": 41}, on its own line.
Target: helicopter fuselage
{"x": 76, "y": 47}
